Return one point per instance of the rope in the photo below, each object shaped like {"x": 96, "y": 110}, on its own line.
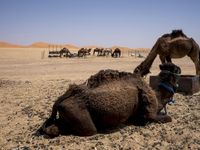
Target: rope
{"x": 167, "y": 87}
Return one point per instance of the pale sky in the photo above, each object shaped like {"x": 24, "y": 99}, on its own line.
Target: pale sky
{"x": 105, "y": 23}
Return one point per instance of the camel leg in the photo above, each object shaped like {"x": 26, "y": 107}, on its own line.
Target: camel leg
{"x": 151, "y": 111}
{"x": 168, "y": 59}
{"x": 162, "y": 59}
{"x": 158, "y": 118}
{"x": 196, "y": 61}
{"x": 75, "y": 116}
{"x": 197, "y": 66}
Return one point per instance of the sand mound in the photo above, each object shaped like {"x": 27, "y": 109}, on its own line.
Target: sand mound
{"x": 9, "y": 45}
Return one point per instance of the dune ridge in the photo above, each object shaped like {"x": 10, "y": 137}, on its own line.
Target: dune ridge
{"x": 4, "y": 44}
{"x": 36, "y": 45}
{"x": 9, "y": 45}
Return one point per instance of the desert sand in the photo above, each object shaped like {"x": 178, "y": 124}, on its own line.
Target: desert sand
{"x": 29, "y": 85}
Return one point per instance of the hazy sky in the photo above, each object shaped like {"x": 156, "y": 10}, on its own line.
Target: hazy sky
{"x": 128, "y": 23}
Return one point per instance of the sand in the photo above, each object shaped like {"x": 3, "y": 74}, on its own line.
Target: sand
{"x": 29, "y": 85}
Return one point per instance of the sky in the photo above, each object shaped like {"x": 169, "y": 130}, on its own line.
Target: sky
{"x": 130, "y": 23}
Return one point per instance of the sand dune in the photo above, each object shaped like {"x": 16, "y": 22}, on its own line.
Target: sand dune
{"x": 9, "y": 45}
{"x": 39, "y": 45}
{"x": 48, "y": 45}
{"x": 59, "y": 46}
{"x": 36, "y": 45}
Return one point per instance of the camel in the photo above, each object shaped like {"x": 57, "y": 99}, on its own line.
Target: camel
{"x": 65, "y": 52}
{"x": 102, "y": 51}
{"x": 99, "y": 51}
{"x": 107, "y": 51}
{"x": 174, "y": 45}
{"x": 108, "y": 99}
{"x": 84, "y": 52}
{"x": 116, "y": 53}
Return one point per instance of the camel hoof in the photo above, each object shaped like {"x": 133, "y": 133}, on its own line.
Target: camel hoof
{"x": 52, "y": 131}
{"x": 167, "y": 119}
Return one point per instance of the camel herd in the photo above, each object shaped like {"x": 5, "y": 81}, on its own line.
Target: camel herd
{"x": 110, "y": 97}
{"x": 64, "y": 52}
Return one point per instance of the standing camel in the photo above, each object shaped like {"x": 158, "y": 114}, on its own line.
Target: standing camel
{"x": 99, "y": 51}
{"x": 65, "y": 52}
{"x": 84, "y": 52}
{"x": 116, "y": 53}
{"x": 174, "y": 45}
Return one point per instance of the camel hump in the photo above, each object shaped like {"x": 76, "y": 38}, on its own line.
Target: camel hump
{"x": 105, "y": 76}
{"x": 178, "y": 39}
{"x": 177, "y": 33}
{"x": 174, "y": 34}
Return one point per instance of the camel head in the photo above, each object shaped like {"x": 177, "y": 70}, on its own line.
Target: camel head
{"x": 170, "y": 74}
{"x": 169, "y": 77}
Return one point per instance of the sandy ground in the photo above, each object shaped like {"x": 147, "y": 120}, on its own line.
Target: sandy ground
{"x": 29, "y": 86}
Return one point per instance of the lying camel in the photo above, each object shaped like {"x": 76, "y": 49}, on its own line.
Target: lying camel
{"x": 168, "y": 46}
{"x": 110, "y": 98}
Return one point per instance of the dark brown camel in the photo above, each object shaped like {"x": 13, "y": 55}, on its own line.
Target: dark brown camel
{"x": 84, "y": 52}
{"x": 116, "y": 53}
{"x": 174, "y": 45}
{"x": 65, "y": 52}
{"x": 110, "y": 98}
{"x": 99, "y": 51}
